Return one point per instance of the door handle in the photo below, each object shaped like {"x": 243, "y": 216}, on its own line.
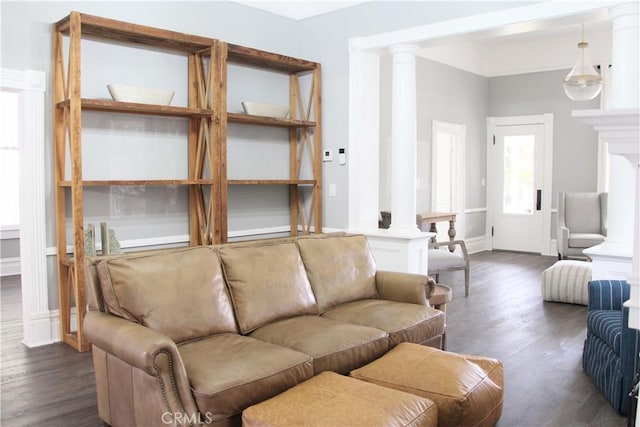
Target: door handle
{"x": 538, "y": 200}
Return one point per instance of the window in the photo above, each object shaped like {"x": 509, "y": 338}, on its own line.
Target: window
{"x": 519, "y": 151}
{"x": 9, "y": 160}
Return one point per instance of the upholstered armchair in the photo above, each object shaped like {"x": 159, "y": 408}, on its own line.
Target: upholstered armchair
{"x": 582, "y": 222}
{"x": 441, "y": 260}
{"x": 610, "y": 355}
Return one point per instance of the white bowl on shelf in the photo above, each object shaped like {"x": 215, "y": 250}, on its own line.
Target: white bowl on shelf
{"x": 264, "y": 109}
{"x": 140, "y": 95}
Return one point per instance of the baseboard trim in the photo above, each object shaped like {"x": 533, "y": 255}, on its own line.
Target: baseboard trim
{"x": 9, "y": 266}
{"x": 44, "y": 328}
{"x": 550, "y": 247}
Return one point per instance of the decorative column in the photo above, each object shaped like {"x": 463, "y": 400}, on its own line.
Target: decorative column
{"x": 618, "y": 257}
{"x": 403, "y": 140}
{"x": 402, "y": 247}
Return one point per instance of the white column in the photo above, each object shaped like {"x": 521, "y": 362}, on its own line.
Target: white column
{"x": 613, "y": 258}
{"x": 403, "y": 140}
{"x": 624, "y": 94}
{"x": 625, "y": 56}
{"x": 402, "y": 247}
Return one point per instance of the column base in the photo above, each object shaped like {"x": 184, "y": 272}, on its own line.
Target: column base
{"x": 404, "y": 251}
{"x": 611, "y": 260}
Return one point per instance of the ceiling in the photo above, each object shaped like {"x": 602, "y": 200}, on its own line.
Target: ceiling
{"x": 299, "y": 9}
{"x": 520, "y": 48}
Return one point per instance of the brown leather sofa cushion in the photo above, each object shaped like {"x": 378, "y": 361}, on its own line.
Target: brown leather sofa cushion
{"x": 180, "y": 294}
{"x": 402, "y": 321}
{"x": 334, "y": 346}
{"x": 329, "y": 399}
{"x": 340, "y": 269}
{"x": 267, "y": 283}
{"x": 229, "y": 372}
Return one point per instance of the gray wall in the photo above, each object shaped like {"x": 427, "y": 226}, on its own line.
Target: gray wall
{"x": 575, "y": 148}
{"x": 325, "y": 39}
{"x": 26, "y": 44}
{"x": 137, "y": 213}
{"x": 9, "y": 248}
{"x": 450, "y": 95}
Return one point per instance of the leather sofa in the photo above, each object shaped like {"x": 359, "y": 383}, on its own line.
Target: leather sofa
{"x": 195, "y": 335}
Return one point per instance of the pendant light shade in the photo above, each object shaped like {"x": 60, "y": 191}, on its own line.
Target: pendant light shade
{"x": 583, "y": 81}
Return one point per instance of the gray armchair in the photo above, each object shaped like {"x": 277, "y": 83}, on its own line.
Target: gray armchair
{"x": 441, "y": 260}
{"x": 444, "y": 257}
{"x": 441, "y": 255}
{"x": 582, "y": 219}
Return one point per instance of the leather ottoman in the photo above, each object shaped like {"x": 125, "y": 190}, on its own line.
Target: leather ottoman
{"x": 468, "y": 390}
{"x": 331, "y": 399}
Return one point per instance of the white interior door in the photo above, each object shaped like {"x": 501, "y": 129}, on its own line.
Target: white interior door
{"x": 448, "y": 174}
{"x": 516, "y": 190}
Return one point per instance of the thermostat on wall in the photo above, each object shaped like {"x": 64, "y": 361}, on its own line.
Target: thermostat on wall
{"x": 327, "y": 156}
{"x": 342, "y": 156}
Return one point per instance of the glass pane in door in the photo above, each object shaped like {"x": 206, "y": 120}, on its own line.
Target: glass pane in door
{"x": 518, "y": 195}
{"x": 443, "y": 185}
{"x": 9, "y": 159}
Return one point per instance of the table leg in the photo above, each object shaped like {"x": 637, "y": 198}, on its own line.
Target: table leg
{"x": 452, "y": 233}
{"x": 433, "y": 229}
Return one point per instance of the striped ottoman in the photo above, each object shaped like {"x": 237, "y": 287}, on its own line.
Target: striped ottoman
{"x": 567, "y": 281}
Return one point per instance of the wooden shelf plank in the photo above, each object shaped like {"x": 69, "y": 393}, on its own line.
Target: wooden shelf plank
{"x": 268, "y": 60}
{"x": 247, "y": 119}
{"x": 271, "y": 181}
{"x": 135, "y": 108}
{"x": 115, "y": 182}
{"x": 111, "y": 29}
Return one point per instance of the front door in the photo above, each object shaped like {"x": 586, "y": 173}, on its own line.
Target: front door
{"x": 516, "y": 187}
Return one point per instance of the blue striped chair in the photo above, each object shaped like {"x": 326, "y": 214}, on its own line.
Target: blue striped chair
{"x": 610, "y": 355}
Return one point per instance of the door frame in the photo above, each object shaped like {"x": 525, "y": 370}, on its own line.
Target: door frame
{"x": 459, "y": 195}
{"x": 36, "y": 317}
{"x": 547, "y": 248}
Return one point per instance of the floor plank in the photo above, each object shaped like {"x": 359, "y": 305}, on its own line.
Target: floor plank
{"x": 539, "y": 343}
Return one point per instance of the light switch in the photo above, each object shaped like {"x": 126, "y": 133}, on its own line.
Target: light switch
{"x": 332, "y": 189}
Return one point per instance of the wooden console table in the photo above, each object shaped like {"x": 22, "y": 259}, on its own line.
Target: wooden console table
{"x": 434, "y": 217}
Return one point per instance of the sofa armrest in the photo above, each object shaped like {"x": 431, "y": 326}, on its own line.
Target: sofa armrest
{"x": 404, "y": 287}
{"x": 607, "y": 294}
{"x": 145, "y": 349}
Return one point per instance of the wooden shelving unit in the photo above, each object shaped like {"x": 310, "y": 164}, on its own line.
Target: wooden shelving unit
{"x": 206, "y": 113}
{"x": 304, "y": 124}
{"x": 203, "y": 113}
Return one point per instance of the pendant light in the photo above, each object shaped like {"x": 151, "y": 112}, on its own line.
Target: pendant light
{"x": 583, "y": 81}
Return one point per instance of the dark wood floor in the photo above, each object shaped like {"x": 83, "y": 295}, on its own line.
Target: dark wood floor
{"x": 504, "y": 317}
{"x": 540, "y": 343}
